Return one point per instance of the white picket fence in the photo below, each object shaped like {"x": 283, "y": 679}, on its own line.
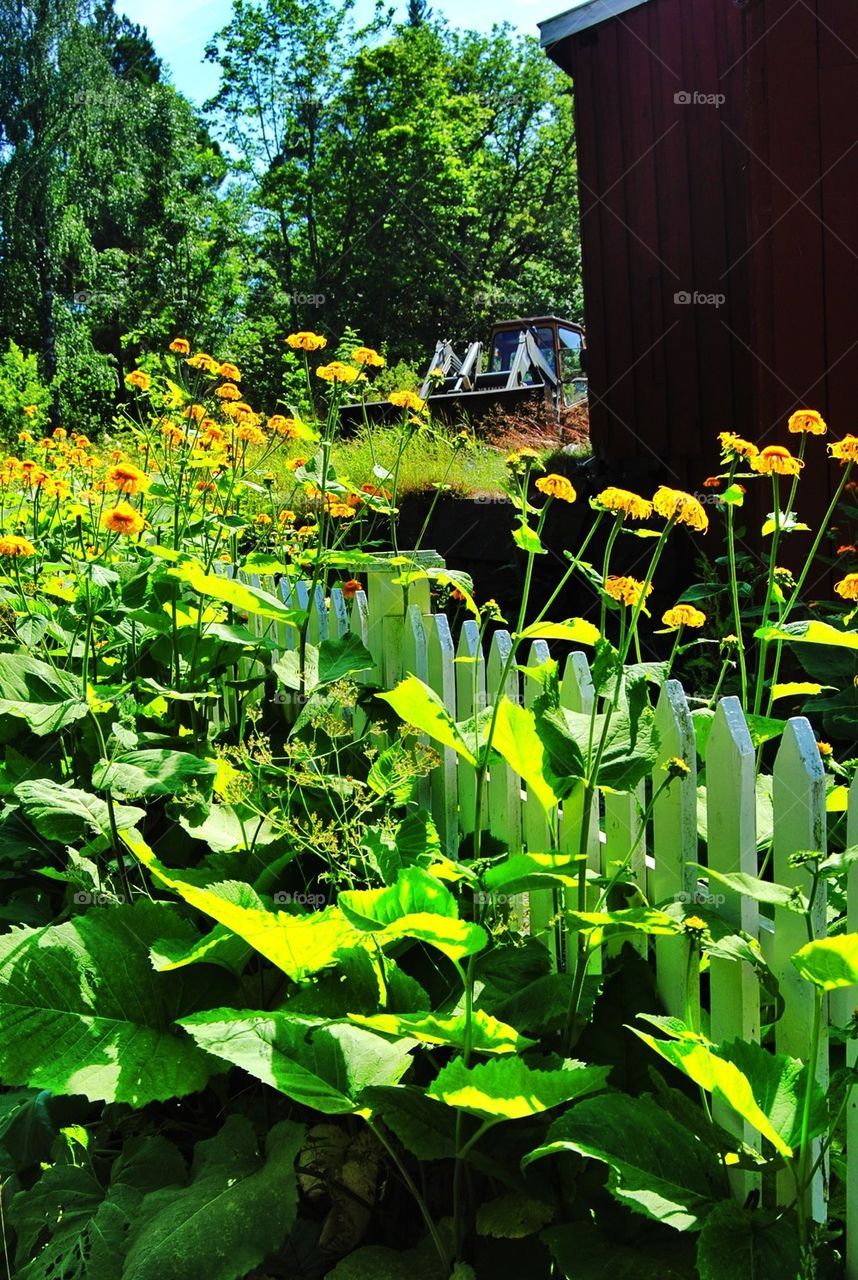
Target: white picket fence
{"x": 404, "y": 636}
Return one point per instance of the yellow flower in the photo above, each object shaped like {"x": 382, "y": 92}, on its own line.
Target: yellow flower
{"x": 294, "y": 463}
{"x": 25, "y": 437}
{"x": 172, "y": 434}
{"x": 366, "y": 355}
{"x": 825, "y": 748}
{"x": 306, "y": 341}
{"x": 775, "y": 460}
{"x": 30, "y": 410}
{"x": 203, "y": 361}
{"x": 626, "y": 590}
{"x": 341, "y": 511}
{"x": 230, "y": 371}
{"x": 128, "y": 478}
{"x": 336, "y": 371}
{"x": 250, "y": 434}
{"x": 555, "y": 486}
{"x": 137, "y": 378}
{"x": 407, "y": 400}
{"x": 807, "y": 421}
{"x": 286, "y": 517}
{"x": 694, "y": 924}
{"x": 734, "y": 446}
{"x": 10, "y": 545}
{"x": 262, "y": 518}
{"x": 196, "y": 412}
{"x": 845, "y": 450}
{"x": 229, "y": 391}
{"x": 848, "y": 587}
{"x": 181, "y": 346}
{"x": 631, "y": 504}
{"x": 291, "y": 428}
{"x": 676, "y": 767}
{"x": 683, "y": 615}
{"x": 122, "y": 519}
{"x": 682, "y": 508}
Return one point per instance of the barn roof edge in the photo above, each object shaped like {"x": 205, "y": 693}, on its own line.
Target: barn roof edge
{"x": 587, "y": 13}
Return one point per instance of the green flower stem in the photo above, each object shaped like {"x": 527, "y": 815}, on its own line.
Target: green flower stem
{"x": 734, "y": 589}
{"x": 811, "y": 556}
{"x": 770, "y": 583}
{"x": 440, "y": 1247}
{"x": 803, "y": 1178}
{"x": 606, "y": 563}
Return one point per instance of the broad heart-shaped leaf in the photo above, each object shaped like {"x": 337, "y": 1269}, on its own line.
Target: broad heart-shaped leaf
{"x": 65, "y": 814}
{"x": 507, "y": 1089}
{"x": 225, "y": 829}
{"x": 488, "y": 1035}
{"x": 415, "y": 890}
{"x": 220, "y": 946}
{"x": 88, "y": 1224}
{"x": 623, "y": 923}
{"x": 809, "y": 633}
{"x": 742, "y": 1242}
{"x": 418, "y": 705}
{"x": 779, "y": 1084}
{"x": 245, "y": 598}
{"x": 658, "y": 1168}
{"x": 154, "y": 771}
{"x": 46, "y": 699}
{"x": 830, "y": 963}
{"x": 516, "y": 739}
{"x": 82, "y": 1011}
{"x": 324, "y": 1066}
{"x": 238, "y": 1206}
{"x": 723, "y": 1079}
{"x": 524, "y": 871}
{"x": 343, "y": 657}
{"x": 630, "y": 750}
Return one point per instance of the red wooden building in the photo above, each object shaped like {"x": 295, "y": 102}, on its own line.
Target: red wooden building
{"x": 718, "y": 170}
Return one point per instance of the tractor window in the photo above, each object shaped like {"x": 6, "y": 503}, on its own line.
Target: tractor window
{"x": 570, "y": 352}
{"x": 505, "y": 345}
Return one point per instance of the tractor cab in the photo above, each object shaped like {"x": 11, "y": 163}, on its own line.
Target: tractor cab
{"x": 560, "y": 343}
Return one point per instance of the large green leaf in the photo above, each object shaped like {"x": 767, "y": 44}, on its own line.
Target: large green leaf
{"x": 321, "y": 1066}
{"x": 809, "y": 633}
{"x": 245, "y": 598}
{"x": 46, "y": 699}
{"x": 154, "y": 771}
{"x": 65, "y": 814}
{"x": 507, "y": 1089}
{"x": 736, "y": 1241}
{"x": 487, "y": 1034}
{"x": 344, "y": 657}
{"x": 525, "y": 871}
{"x": 82, "y": 1011}
{"x": 630, "y": 744}
{"x": 658, "y": 1168}
{"x": 238, "y": 1207}
{"x": 779, "y": 1084}
{"x": 418, "y": 705}
{"x": 830, "y": 963}
{"x": 226, "y": 828}
{"x": 87, "y": 1224}
{"x": 415, "y": 891}
{"x": 722, "y": 1078}
{"x": 516, "y": 739}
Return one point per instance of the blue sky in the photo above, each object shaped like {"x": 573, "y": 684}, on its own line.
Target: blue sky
{"x": 180, "y": 29}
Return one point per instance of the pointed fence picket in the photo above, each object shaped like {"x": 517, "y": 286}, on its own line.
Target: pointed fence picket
{"x": 668, "y": 853}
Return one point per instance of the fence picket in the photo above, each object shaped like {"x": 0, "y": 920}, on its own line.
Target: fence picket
{"x": 624, "y": 835}
{"x": 734, "y": 989}
{"x": 338, "y": 619}
{"x": 540, "y": 907}
{"x": 471, "y": 699}
{"x": 504, "y": 786}
{"x": 414, "y": 662}
{"x": 577, "y": 694}
{"x": 674, "y": 843}
{"x": 798, "y": 794}
{"x": 441, "y": 676}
